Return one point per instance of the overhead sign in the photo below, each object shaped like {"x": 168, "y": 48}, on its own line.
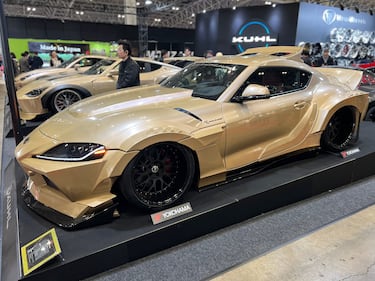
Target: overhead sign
{"x": 65, "y": 48}
{"x": 254, "y": 34}
{"x": 330, "y": 16}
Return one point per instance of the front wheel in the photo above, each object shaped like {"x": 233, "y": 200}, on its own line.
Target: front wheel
{"x": 340, "y": 131}
{"x": 63, "y": 99}
{"x": 370, "y": 115}
{"x": 158, "y": 176}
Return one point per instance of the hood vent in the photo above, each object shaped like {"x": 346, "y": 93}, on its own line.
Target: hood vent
{"x": 188, "y": 113}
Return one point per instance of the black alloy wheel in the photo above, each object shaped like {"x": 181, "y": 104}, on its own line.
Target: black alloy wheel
{"x": 340, "y": 131}
{"x": 63, "y": 99}
{"x": 158, "y": 176}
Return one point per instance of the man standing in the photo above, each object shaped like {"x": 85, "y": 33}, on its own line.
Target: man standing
{"x": 325, "y": 59}
{"x": 129, "y": 70}
{"x": 36, "y": 61}
{"x": 187, "y": 52}
{"x": 24, "y": 62}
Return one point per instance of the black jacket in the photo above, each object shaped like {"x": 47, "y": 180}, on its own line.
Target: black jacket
{"x": 321, "y": 61}
{"x": 36, "y": 62}
{"x": 128, "y": 74}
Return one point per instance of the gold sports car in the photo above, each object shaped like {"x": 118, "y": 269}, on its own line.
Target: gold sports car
{"x": 151, "y": 144}
{"x": 76, "y": 64}
{"x": 55, "y": 93}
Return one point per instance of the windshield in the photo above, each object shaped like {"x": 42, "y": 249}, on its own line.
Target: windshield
{"x": 69, "y": 61}
{"x": 207, "y": 80}
{"x": 99, "y": 67}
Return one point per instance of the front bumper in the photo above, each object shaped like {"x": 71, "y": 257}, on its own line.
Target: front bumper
{"x": 30, "y": 108}
{"x": 104, "y": 214}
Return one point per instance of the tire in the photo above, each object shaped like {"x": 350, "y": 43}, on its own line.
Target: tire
{"x": 63, "y": 99}
{"x": 340, "y": 131}
{"x": 158, "y": 176}
{"x": 370, "y": 115}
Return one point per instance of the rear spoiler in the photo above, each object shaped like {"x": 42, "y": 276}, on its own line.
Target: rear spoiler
{"x": 348, "y": 77}
{"x": 289, "y": 52}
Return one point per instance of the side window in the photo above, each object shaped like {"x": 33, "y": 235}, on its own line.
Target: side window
{"x": 88, "y": 61}
{"x": 294, "y": 79}
{"x": 279, "y": 80}
{"x": 154, "y": 66}
{"x": 145, "y": 66}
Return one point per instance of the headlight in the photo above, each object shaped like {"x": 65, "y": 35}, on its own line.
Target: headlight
{"x": 35, "y": 93}
{"x": 74, "y": 152}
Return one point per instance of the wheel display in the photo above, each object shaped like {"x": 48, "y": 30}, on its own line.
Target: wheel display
{"x": 158, "y": 176}
{"x": 63, "y": 99}
{"x": 370, "y": 115}
{"x": 339, "y": 131}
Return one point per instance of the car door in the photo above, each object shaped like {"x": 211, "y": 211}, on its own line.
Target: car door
{"x": 264, "y": 128}
{"x": 106, "y": 81}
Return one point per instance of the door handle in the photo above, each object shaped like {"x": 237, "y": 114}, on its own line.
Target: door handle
{"x": 299, "y": 105}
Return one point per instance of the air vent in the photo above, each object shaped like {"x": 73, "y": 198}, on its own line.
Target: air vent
{"x": 188, "y": 113}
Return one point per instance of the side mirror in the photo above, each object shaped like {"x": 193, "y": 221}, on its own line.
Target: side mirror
{"x": 253, "y": 92}
{"x": 113, "y": 72}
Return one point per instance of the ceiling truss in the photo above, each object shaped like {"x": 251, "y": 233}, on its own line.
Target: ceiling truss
{"x": 172, "y": 13}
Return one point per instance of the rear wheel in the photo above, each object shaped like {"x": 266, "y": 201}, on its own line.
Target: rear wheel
{"x": 370, "y": 115}
{"x": 158, "y": 176}
{"x": 63, "y": 99}
{"x": 339, "y": 131}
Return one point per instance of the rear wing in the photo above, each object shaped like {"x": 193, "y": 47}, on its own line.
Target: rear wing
{"x": 289, "y": 52}
{"x": 348, "y": 77}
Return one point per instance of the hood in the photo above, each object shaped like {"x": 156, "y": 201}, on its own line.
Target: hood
{"x": 109, "y": 119}
{"x": 52, "y": 81}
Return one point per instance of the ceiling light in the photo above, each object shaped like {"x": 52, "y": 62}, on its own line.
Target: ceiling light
{"x": 268, "y": 3}
{"x": 234, "y": 7}
{"x": 193, "y": 15}
{"x": 148, "y": 2}
{"x": 138, "y": 3}
{"x": 273, "y": 5}
{"x": 33, "y": 9}
{"x": 204, "y": 11}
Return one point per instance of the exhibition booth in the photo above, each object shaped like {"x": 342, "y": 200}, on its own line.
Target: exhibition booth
{"x": 348, "y": 35}
{"x": 36, "y": 249}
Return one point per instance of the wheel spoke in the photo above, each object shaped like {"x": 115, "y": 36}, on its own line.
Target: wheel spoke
{"x": 65, "y": 98}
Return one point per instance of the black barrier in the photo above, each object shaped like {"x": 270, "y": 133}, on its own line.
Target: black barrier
{"x": 9, "y": 77}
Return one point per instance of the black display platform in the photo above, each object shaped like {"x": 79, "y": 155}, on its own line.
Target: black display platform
{"x": 87, "y": 252}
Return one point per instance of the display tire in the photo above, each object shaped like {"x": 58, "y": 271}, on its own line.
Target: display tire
{"x": 340, "y": 131}
{"x": 64, "y": 98}
{"x": 158, "y": 176}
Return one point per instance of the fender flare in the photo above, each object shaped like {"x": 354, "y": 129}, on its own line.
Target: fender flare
{"x": 47, "y": 97}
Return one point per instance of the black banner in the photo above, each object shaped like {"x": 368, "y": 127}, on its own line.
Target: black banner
{"x": 62, "y": 48}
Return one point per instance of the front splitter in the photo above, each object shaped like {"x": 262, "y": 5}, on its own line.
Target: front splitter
{"x": 99, "y": 216}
